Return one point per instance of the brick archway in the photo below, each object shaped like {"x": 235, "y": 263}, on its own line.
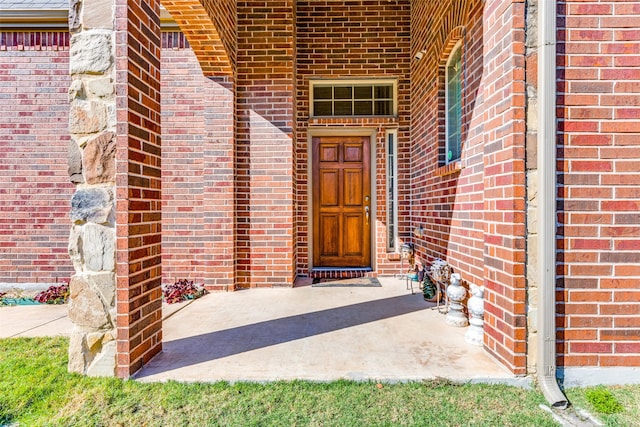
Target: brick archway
{"x": 209, "y": 26}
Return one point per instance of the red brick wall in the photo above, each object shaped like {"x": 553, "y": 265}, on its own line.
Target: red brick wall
{"x": 599, "y": 172}
{"x": 264, "y": 143}
{"x": 34, "y": 184}
{"x": 448, "y": 203}
{"x": 197, "y": 171}
{"x": 598, "y": 152}
{"x": 473, "y": 211}
{"x": 198, "y": 148}
{"x": 504, "y": 182}
{"x": 183, "y": 134}
{"x": 138, "y": 184}
{"x": 361, "y": 39}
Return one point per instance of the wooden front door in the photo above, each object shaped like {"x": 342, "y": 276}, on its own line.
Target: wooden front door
{"x": 341, "y": 201}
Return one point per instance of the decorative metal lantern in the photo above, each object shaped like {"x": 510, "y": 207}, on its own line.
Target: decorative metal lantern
{"x": 407, "y": 251}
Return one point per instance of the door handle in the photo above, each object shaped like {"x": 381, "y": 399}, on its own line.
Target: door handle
{"x": 366, "y": 213}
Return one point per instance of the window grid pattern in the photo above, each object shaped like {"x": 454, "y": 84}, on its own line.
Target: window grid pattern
{"x": 334, "y": 100}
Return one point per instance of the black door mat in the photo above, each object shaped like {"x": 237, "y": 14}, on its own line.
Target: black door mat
{"x": 358, "y": 282}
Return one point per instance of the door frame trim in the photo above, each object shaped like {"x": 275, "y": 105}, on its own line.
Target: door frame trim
{"x": 314, "y": 131}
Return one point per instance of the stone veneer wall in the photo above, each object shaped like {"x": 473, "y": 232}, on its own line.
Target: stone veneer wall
{"x": 92, "y": 167}
{"x": 531, "y": 66}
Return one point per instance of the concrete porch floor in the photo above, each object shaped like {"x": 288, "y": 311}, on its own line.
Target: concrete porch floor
{"x": 321, "y": 334}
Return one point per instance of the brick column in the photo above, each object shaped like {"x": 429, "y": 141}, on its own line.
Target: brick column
{"x": 198, "y": 210}
{"x": 264, "y": 143}
{"x": 200, "y": 203}
{"x": 504, "y": 183}
{"x": 138, "y": 183}
{"x": 218, "y": 179}
{"x": 115, "y": 238}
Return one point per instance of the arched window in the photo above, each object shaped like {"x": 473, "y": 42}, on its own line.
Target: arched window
{"x": 453, "y": 104}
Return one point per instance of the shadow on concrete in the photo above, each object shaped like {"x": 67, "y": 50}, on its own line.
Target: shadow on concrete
{"x": 219, "y": 344}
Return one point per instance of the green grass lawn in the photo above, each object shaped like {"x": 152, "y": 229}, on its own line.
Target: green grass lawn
{"x": 36, "y": 390}
{"x": 626, "y": 397}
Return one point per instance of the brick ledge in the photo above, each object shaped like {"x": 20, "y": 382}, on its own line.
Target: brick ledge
{"x": 449, "y": 169}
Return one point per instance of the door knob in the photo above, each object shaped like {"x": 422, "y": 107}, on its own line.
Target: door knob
{"x": 366, "y": 213}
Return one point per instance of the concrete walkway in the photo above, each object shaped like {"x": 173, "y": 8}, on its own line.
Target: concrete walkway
{"x": 34, "y": 321}
{"x": 318, "y": 333}
{"x": 312, "y": 333}
{"x": 48, "y": 320}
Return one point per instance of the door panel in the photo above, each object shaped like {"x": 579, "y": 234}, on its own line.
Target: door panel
{"x": 329, "y": 226}
{"x": 352, "y": 187}
{"x": 341, "y": 202}
{"x": 352, "y": 153}
{"x": 329, "y": 188}
{"x": 353, "y": 223}
{"x": 329, "y": 153}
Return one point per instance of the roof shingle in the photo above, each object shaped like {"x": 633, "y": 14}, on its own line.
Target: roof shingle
{"x": 33, "y": 4}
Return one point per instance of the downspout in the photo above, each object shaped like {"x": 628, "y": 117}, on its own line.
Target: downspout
{"x": 546, "y": 369}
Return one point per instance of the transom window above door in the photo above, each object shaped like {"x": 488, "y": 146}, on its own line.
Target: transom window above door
{"x": 342, "y": 98}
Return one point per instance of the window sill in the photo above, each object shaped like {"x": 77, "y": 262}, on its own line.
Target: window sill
{"x": 342, "y": 120}
{"x": 451, "y": 168}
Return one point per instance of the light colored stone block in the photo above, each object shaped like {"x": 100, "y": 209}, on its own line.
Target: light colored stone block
{"x": 104, "y": 363}
{"x": 532, "y": 260}
{"x": 93, "y": 339}
{"x": 90, "y": 52}
{"x": 532, "y": 202}
{"x": 105, "y": 284}
{"x": 87, "y": 116}
{"x": 77, "y": 350}
{"x": 100, "y": 87}
{"x": 75, "y": 247}
{"x": 76, "y": 90}
{"x": 98, "y": 248}
{"x": 97, "y": 14}
{"x": 87, "y": 309}
{"x": 74, "y": 163}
